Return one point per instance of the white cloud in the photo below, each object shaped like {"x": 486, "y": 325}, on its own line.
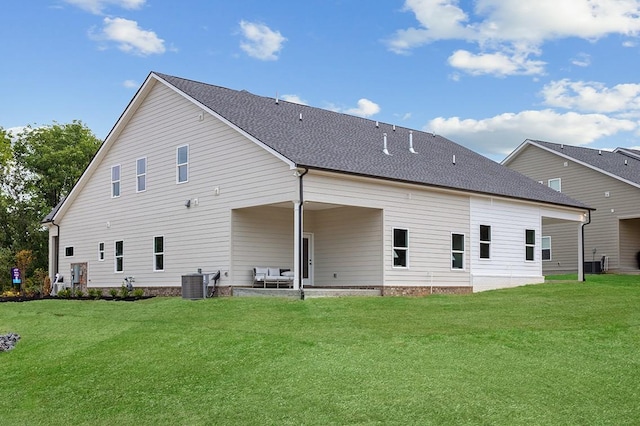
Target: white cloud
{"x": 260, "y": 41}
{"x": 592, "y": 96}
{"x": 514, "y": 26}
{"x": 130, "y": 84}
{"x": 295, "y": 99}
{"x": 500, "y": 134}
{"x": 499, "y": 64}
{"x": 365, "y": 108}
{"x": 130, "y": 37}
{"x": 97, "y": 6}
{"x": 581, "y": 60}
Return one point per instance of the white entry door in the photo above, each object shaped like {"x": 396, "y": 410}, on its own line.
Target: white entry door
{"x": 307, "y": 259}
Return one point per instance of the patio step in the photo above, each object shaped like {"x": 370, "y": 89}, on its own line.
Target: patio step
{"x": 308, "y": 292}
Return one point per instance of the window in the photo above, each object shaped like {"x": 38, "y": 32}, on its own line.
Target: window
{"x": 457, "y": 251}
{"x": 182, "y": 164}
{"x": 68, "y": 251}
{"x": 158, "y": 253}
{"x": 119, "y": 256}
{"x": 485, "y": 242}
{"x": 555, "y": 184}
{"x": 141, "y": 174}
{"x": 100, "y": 252}
{"x": 530, "y": 244}
{"x": 400, "y": 248}
{"x": 115, "y": 181}
{"x": 546, "y": 248}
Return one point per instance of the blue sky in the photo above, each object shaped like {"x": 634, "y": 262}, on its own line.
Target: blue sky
{"x": 487, "y": 74}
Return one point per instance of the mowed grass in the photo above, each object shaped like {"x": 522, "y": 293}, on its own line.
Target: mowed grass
{"x": 562, "y": 354}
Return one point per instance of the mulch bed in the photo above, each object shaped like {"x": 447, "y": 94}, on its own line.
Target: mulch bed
{"x": 32, "y": 298}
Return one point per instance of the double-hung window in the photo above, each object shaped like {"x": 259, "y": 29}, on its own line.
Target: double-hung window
{"x": 158, "y": 253}
{"x": 530, "y": 244}
{"x": 400, "y": 248}
{"x": 119, "y": 256}
{"x": 457, "y": 251}
{"x": 485, "y": 242}
{"x": 546, "y": 248}
{"x": 115, "y": 181}
{"x": 182, "y": 164}
{"x": 141, "y": 174}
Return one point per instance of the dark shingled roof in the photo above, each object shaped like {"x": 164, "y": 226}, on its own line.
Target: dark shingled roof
{"x": 343, "y": 143}
{"x": 622, "y": 162}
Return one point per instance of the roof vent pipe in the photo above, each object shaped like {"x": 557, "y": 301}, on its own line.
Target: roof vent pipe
{"x": 384, "y": 139}
{"x": 561, "y": 146}
{"x": 411, "y": 150}
{"x": 625, "y": 163}
{"x": 300, "y": 116}
{"x": 599, "y": 152}
{"x": 394, "y": 127}
{"x": 377, "y": 124}
{"x": 277, "y": 100}
{"x": 454, "y": 159}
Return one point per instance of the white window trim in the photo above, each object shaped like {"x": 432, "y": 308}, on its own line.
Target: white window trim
{"x": 156, "y": 253}
{"x": 481, "y": 242}
{"x": 394, "y": 248}
{"x": 464, "y": 249}
{"x": 182, "y": 164}
{"x": 141, "y": 174}
{"x": 101, "y": 254}
{"x": 115, "y": 257}
{"x": 542, "y": 249}
{"x": 530, "y": 245}
{"x": 559, "y": 183}
{"x": 119, "y": 181}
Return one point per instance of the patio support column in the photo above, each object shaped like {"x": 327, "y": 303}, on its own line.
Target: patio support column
{"x": 297, "y": 248}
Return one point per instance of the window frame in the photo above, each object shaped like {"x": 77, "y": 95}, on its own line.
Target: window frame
{"x": 486, "y": 243}
{"x": 142, "y": 175}
{"x": 158, "y": 253}
{"x": 184, "y": 164}
{"x": 395, "y": 248}
{"x": 559, "y": 180}
{"x": 545, "y": 238}
{"x": 116, "y": 183}
{"x": 457, "y": 251}
{"x": 118, "y": 257}
{"x": 101, "y": 254}
{"x": 69, "y": 251}
{"x": 529, "y": 246}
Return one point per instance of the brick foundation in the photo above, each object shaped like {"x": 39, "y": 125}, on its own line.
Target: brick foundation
{"x": 424, "y": 291}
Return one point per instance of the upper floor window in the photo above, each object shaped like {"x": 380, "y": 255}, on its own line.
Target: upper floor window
{"x": 555, "y": 184}
{"x": 530, "y": 244}
{"x": 485, "y": 242}
{"x": 182, "y": 164}
{"x": 68, "y": 251}
{"x": 115, "y": 181}
{"x": 141, "y": 174}
{"x": 400, "y": 248}
{"x": 457, "y": 251}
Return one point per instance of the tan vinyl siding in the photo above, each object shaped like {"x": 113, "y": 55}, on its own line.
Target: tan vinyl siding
{"x": 196, "y": 237}
{"x": 589, "y": 186}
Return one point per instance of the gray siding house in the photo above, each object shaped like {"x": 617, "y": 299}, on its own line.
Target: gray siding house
{"x": 196, "y": 176}
{"x": 607, "y": 181}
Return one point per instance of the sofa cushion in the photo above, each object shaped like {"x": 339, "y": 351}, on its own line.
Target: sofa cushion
{"x": 262, "y": 271}
{"x": 274, "y": 272}
{"x": 287, "y": 273}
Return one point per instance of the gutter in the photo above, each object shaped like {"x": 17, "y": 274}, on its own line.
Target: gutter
{"x": 300, "y": 237}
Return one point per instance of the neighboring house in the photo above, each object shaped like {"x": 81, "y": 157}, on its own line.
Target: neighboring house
{"x": 607, "y": 181}
{"x": 195, "y": 176}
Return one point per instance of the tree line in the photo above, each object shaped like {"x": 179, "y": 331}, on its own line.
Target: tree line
{"x": 38, "y": 168}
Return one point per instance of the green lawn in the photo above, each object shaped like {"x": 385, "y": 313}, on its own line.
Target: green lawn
{"x": 566, "y": 353}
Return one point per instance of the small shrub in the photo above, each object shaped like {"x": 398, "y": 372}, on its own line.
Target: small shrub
{"x": 10, "y": 293}
{"x": 95, "y": 293}
{"x": 65, "y": 293}
{"x": 124, "y": 291}
{"x": 113, "y": 292}
{"x": 78, "y": 293}
{"x": 138, "y": 293}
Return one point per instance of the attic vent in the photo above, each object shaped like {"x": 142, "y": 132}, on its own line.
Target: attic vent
{"x": 384, "y": 139}
{"x": 411, "y": 150}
